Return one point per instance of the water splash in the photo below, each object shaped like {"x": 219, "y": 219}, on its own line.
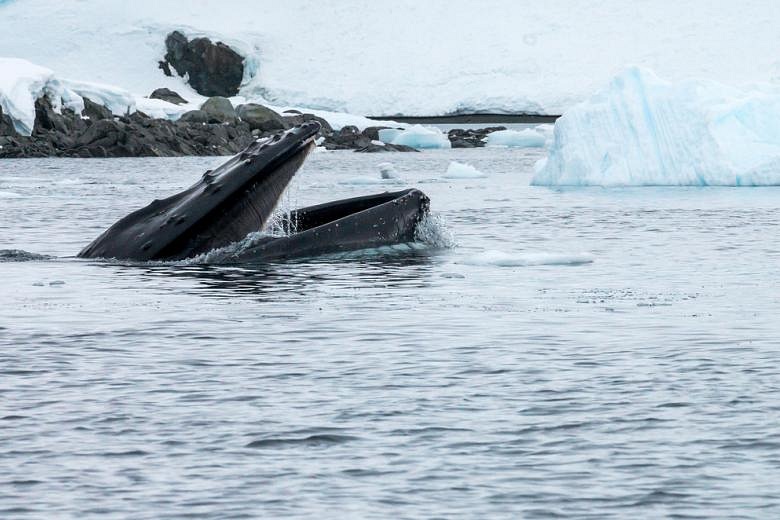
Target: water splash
{"x": 432, "y": 230}
{"x": 17, "y": 255}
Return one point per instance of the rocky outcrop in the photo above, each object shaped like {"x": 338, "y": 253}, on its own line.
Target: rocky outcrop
{"x": 372, "y": 132}
{"x": 168, "y": 95}
{"x": 262, "y": 118}
{"x": 136, "y": 135}
{"x": 351, "y": 138}
{"x": 219, "y": 109}
{"x": 347, "y": 138}
{"x": 215, "y": 129}
{"x": 376, "y": 147}
{"x": 214, "y": 69}
{"x": 295, "y": 118}
{"x": 471, "y": 138}
{"x": 94, "y": 111}
{"x": 6, "y": 125}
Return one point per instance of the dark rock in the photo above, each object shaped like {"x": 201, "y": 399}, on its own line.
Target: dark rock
{"x": 261, "y": 118}
{"x": 214, "y": 69}
{"x": 348, "y": 138}
{"x": 372, "y": 132}
{"x": 168, "y": 95}
{"x": 163, "y": 65}
{"x": 219, "y": 109}
{"x": 471, "y": 138}
{"x": 195, "y": 116}
{"x": 134, "y": 135}
{"x": 6, "y": 125}
{"x": 94, "y": 111}
{"x": 294, "y": 118}
{"x": 377, "y": 148}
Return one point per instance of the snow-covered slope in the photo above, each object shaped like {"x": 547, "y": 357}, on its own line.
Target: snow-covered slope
{"x": 641, "y": 130}
{"x": 405, "y": 56}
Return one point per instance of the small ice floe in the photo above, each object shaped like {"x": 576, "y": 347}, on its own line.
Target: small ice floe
{"x": 504, "y": 259}
{"x": 527, "y": 138}
{"x": 387, "y": 170}
{"x": 417, "y": 136}
{"x": 458, "y": 170}
{"x": 360, "y": 181}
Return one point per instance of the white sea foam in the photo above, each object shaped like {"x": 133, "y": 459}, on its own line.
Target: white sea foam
{"x": 503, "y": 259}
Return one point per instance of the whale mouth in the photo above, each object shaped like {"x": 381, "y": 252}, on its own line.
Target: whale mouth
{"x": 224, "y": 206}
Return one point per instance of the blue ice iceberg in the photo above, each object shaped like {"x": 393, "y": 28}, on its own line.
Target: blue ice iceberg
{"x": 643, "y": 131}
{"x": 416, "y": 136}
{"x": 526, "y": 138}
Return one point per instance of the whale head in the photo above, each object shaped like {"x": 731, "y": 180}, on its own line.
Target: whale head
{"x": 224, "y": 206}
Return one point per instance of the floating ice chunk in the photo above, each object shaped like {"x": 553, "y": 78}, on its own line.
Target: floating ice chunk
{"x": 503, "y": 259}
{"x": 643, "y": 131}
{"x": 526, "y": 138}
{"x": 386, "y": 135}
{"x": 458, "y": 170}
{"x": 421, "y": 137}
{"x": 387, "y": 170}
{"x": 359, "y": 181}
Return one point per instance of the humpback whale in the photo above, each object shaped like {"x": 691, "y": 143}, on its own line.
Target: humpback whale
{"x": 239, "y": 197}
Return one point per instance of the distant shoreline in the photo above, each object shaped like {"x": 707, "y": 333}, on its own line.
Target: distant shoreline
{"x": 470, "y": 119}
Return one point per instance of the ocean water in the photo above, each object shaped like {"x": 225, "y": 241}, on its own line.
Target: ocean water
{"x": 579, "y": 353}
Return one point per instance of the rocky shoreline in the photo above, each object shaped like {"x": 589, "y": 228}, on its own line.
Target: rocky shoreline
{"x": 215, "y": 128}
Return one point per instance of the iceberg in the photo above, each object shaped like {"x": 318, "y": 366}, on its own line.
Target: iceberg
{"x": 527, "y": 138}
{"x": 643, "y": 131}
{"x": 457, "y": 170}
{"x": 419, "y": 136}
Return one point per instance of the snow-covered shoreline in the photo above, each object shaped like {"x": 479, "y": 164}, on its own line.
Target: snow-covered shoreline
{"x": 405, "y": 57}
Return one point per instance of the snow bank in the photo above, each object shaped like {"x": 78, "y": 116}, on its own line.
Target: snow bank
{"x": 516, "y": 55}
{"x": 457, "y": 170}
{"x": 22, "y": 82}
{"x": 641, "y": 130}
{"x": 419, "y": 136}
{"x": 526, "y": 138}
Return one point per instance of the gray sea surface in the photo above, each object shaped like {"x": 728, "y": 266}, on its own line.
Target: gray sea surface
{"x": 579, "y": 353}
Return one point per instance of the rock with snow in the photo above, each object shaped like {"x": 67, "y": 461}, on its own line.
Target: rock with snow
{"x": 470, "y": 138}
{"x": 212, "y": 69}
{"x": 641, "y": 130}
{"x": 372, "y": 132}
{"x": 95, "y": 111}
{"x": 168, "y": 95}
{"x": 6, "y": 125}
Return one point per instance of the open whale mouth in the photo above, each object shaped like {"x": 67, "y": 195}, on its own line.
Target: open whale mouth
{"x": 222, "y": 207}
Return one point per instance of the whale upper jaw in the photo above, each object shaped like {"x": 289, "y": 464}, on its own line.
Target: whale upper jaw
{"x": 224, "y": 206}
